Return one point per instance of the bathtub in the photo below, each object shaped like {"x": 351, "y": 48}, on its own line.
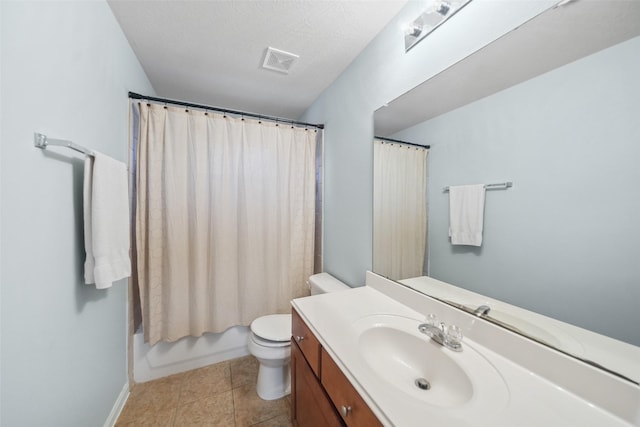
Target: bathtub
{"x": 168, "y": 358}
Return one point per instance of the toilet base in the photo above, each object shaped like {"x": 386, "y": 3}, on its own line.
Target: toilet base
{"x": 274, "y": 382}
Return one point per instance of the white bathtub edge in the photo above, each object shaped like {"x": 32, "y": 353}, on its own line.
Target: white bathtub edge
{"x": 164, "y": 359}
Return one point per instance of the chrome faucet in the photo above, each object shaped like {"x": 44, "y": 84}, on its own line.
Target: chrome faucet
{"x": 483, "y": 310}
{"x": 451, "y": 338}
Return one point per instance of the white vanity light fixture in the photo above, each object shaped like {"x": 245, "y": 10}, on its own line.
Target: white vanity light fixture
{"x": 434, "y": 16}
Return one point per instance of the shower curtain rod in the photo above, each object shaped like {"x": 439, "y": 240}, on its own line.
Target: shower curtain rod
{"x": 401, "y": 142}
{"x": 134, "y": 95}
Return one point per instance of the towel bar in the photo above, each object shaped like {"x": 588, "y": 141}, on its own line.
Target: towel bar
{"x": 496, "y": 186}
{"x": 41, "y": 141}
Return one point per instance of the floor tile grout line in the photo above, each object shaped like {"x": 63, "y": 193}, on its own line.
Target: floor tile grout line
{"x": 233, "y": 400}
{"x": 177, "y": 403}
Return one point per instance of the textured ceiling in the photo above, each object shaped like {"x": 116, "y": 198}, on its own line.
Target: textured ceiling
{"x": 211, "y": 52}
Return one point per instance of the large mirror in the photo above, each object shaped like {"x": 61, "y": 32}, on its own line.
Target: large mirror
{"x": 554, "y": 107}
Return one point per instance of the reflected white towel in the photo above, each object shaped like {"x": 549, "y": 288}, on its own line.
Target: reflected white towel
{"x": 106, "y": 221}
{"x": 466, "y": 214}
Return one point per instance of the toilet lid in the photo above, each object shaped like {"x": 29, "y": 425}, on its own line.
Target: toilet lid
{"x": 274, "y": 327}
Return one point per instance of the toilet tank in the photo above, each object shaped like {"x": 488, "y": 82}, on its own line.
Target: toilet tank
{"x": 322, "y": 283}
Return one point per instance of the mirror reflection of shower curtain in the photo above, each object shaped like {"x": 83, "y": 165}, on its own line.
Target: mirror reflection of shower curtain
{"x": 224, "y": 219}
{"x": 399, "y": 210}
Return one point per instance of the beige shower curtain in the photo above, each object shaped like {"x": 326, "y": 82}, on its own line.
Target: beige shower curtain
{"x": 399, "y": 210}
{"x": 224, "y": 220}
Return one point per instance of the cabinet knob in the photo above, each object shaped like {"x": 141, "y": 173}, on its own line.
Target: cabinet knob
{"x": 346, "y": 410}
{"x": 299, "y": 338}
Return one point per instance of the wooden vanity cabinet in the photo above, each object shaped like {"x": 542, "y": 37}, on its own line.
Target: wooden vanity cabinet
{"x": 310, "y": 405}
{"x": 321, "y": 396}
{"x": 307, "y": 342}
{"x": 353, "y": 410}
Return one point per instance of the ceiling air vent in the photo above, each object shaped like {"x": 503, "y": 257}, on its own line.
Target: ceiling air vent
{"x": 278, "y": 60}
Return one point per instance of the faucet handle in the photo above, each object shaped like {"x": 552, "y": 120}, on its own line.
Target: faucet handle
{"x": 431, "y": 319}
{"x": 453, "y": 335}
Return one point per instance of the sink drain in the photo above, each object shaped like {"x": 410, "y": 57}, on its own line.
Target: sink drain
{"x": 422, "y": 384}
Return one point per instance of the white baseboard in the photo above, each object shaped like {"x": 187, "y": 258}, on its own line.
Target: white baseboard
{"x": 118, "y": 406}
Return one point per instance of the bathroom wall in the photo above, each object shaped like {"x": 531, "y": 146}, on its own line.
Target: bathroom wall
{"x": 1, "y": 144}
{"x": 563, "y": 240}
{"x": 66, "y": 71}
{"x": 382, "y": 72}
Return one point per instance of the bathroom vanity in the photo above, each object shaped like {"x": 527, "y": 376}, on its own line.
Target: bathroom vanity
{"x": 358, "y": 358}
{"x": 321, "y": 394}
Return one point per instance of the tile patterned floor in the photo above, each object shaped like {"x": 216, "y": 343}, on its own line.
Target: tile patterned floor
{"x": 223, "y": 394}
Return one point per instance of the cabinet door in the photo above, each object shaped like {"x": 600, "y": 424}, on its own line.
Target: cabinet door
{"x": 309, "y": 344}
{"x": 310, "y": 406}
{"x": 354, "y": 410}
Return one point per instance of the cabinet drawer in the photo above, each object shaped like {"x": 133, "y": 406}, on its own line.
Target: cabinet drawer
{"x": 307, "y": 342}
{"x": 353, "y": 410}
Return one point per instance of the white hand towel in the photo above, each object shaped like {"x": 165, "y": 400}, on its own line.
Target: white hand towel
{"x": 466, "y": 214}
{"x": 106, "y": 221}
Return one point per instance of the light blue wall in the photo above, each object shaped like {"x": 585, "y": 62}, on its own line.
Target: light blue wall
{"x": 66, "y": 70}
{"x": 381, "y": 73}
{"x": 564, "y": 240}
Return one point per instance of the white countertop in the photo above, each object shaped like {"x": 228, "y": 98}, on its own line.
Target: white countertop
{"x": 523, "y": 398}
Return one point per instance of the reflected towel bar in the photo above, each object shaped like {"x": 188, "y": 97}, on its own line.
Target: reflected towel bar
{"x": 496, "y": 186}
{"x": 41, "y": 141}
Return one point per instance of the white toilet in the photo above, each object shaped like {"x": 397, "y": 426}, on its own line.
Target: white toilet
{"x": 270, "y": 342}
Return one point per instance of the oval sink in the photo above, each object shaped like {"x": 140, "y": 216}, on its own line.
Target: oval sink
{"x": 399, "y": 354}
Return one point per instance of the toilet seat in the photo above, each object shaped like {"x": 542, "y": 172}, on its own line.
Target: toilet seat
{"x": 273, "y": 330}
{"x": 268, "y": 343}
